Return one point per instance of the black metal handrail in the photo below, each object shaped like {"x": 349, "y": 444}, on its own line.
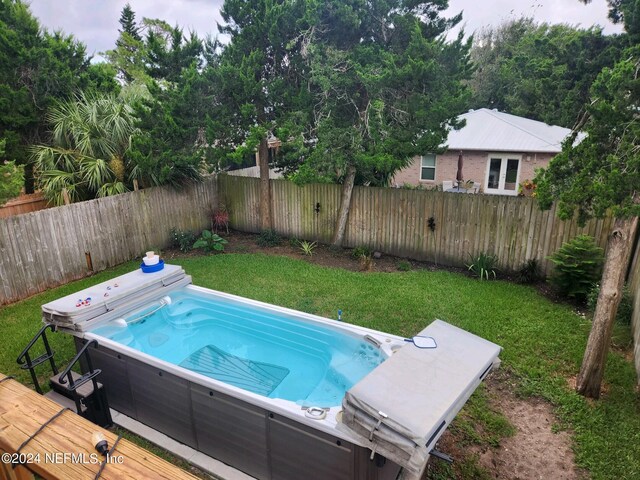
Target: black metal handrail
{"x": 24, "y": 359}
{"x": 90, "y": 375}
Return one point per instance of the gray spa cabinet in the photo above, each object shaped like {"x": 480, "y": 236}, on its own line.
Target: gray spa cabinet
{"x": 252, "y": 439}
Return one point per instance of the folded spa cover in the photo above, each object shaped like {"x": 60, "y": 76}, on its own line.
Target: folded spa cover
{"x": 401, "y": 408}
{"x": 82, "y": 309}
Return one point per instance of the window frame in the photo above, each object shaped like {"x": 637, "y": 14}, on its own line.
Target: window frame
{"x": 432, "y": 167}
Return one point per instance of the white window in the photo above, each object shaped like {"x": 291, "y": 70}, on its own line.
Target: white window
{"x": 428, "y": 167}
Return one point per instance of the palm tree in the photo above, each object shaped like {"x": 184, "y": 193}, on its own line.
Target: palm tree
{"x": 87, "y": 158}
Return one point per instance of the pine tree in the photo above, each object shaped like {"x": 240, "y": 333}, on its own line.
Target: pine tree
{"x": 384, "y": 86}
{"x": 128, "y": 23}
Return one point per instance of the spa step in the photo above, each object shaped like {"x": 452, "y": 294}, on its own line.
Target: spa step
{"x": 83, "y": 391}
{"x": 63, "y": 400}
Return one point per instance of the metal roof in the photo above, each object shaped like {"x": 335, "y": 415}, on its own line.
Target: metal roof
{"x": 497, "y": 131}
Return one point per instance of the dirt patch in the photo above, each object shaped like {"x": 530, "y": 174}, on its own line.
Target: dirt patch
{"x": 323, "y": 255}
{"x": 536, "y": 451}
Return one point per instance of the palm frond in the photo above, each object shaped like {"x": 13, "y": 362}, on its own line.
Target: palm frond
{"x": 112, "y": 188}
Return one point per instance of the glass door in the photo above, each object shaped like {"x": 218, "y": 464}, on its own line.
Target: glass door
{"x": 502, "y": 175}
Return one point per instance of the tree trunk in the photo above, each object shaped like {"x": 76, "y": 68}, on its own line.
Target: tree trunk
{"x": 265, "y": 186}
{"x": 345, "y": 204}
{"x": 615, "y": 268}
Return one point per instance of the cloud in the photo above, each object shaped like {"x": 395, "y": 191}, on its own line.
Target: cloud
{"x": 480, "y": 13}
{"x": 95, "y": 22}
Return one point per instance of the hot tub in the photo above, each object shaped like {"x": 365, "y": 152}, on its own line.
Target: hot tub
{"x": 257, "y": 386}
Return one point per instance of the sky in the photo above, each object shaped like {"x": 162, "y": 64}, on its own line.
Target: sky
{"x": 95, "y": 22}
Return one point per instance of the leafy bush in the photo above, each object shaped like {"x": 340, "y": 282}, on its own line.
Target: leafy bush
{"x": 483, "y": 266}
{"x": 294, "y": 242}
{"x": 578, "y": 265}
{"x": 359, "y": 251}
{"x": 11, "y": 178}
{"x": 211, "y": 242}
{"x": 529, "y": 272}
{"x": 182, "y": 239}
{"x": 308, "y": 247}
{"x": 409, "y": 186}
{"x": 404, "y": 265}
{"x": 269, "y": 238}
{"x": 625, "y": 309}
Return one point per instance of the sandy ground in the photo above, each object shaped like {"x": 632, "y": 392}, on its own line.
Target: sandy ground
{"x": 535, "y": 451}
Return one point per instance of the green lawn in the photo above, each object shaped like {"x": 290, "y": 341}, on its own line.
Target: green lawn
{"x": 543, "y": 342}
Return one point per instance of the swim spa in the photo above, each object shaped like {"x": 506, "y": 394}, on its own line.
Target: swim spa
{"x": 254, "y": 385}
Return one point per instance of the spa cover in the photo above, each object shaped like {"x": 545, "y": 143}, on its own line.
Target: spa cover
{"x": 76, "y": 310}
{"x": 401, "y": 408}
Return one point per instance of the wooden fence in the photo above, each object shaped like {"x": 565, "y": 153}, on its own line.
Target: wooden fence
{"x": 23, "y": 204}
{"x": 396, "y": 221}
{"x": 51, "y": 247}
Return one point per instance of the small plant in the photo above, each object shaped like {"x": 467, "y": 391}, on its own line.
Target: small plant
{"x": 182, "y": 239}
{"x": 269, "y": 238}
{"x": 359, "y": 251}
{"x": 409, "y": 186}
{"x": 578, "y": 265}
{"x": 366, "y": 263}
{"x": 211, "y": 242}
{"x": 529, "y": 272}
{"x": 220, "y": 219}
{"x": 527, "y": 189}
{"x": 294, "y": 242}
{"x": 625, "y": 308}
{"x": 308, "y": 248}
{"x": 483, "y": 266}
{"x": 404, "y": 265}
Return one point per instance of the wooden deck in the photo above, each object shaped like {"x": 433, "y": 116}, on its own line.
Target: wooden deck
{"x": 23, "y": 411}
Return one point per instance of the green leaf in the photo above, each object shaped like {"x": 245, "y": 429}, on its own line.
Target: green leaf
{"x": 200, "y": 244}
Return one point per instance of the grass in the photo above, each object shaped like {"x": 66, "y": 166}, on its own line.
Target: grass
{"x": 162, "y": 453}
{"x": 543, "y": 342}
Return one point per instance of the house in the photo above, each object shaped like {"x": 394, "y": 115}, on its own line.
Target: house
{"x": 499, "y": 152}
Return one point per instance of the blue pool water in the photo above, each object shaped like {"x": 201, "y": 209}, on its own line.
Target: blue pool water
{"x": 265, "y": 352}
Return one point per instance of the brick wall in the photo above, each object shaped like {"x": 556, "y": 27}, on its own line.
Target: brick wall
{"x": 475, "y": 168}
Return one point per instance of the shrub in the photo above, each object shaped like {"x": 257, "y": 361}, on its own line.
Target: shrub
{"x": 220, "y": 219}
{"x": 483, "y": 266}
{"x": 269, "y": 238}
{"x": 182, "y": 240}
{"x": 409, "y": 186}
{"x": 359, "y": 251}
{"x": 578, "y": 265}
{"x": 308, "y": 248}
{"x": 529, "y": 272}
{"x": 625, "y": 309}
{"x": 294, "y": 242}
{"x": 211, "y": 242}
{"x": 404, "y": 265}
